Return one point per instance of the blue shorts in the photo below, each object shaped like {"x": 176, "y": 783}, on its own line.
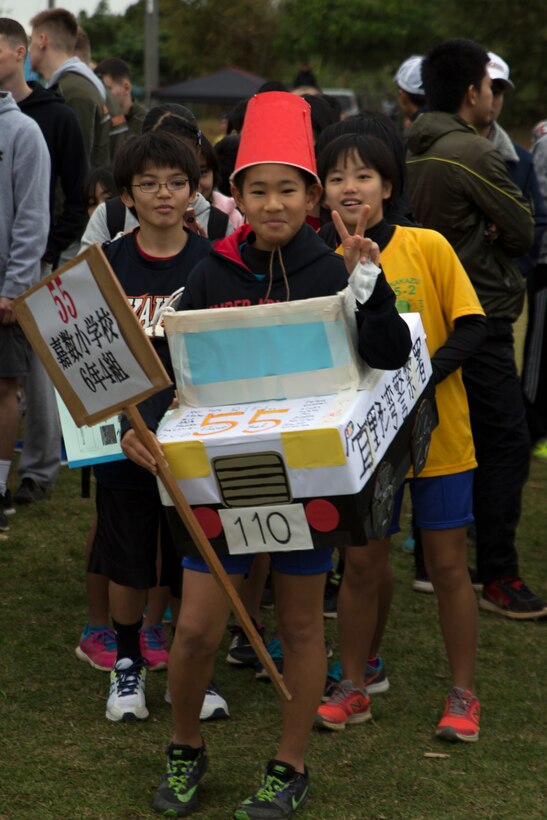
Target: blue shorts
{"x": 442, "y": 502}
{"x": 295, "y": 562}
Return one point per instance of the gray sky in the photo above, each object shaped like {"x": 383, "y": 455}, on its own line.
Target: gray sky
{"x": 23, "y": 10}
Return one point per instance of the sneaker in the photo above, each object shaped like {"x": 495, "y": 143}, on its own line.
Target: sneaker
{"x": 376, "y": 680}
{"x": 539, "y": 450}
{"x": 282, "y": 791}
{"x": 460, "y": 720}
{"x": 29, "y": 491}
{"x": 126, "y": 699}
{"x": 410, "y": 542}
{"x": 4, "y": 525}
{"x": 276, "y": 653}
{"x": 241, "y": 651}
{"x": 98, "y": 647}
{"x": 330, "y": 600}
{"x": 7, "y": 503}
{"x": 267, "y": 600}
{"x": 176, "y": 796}
{"x": 512, "y": 598}
{"x": 214, "y": 706}
{"x": 153, "y": 644}
{"x": 421, "y": 582}
{"x": 347, "y": 705}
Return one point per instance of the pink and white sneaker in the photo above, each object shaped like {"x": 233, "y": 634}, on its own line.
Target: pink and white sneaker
{"x": 98, "y": 647}
{"x": 153, "y": 643}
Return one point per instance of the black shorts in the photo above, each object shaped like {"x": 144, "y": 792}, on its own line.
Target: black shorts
{"x": 126, "y": 544}
{"x": 14, "y": 352}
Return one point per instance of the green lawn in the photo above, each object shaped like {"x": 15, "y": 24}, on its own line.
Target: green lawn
{"x": 60, "y": 758}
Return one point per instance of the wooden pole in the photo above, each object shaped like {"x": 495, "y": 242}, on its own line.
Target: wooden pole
{"x": 206, "y": 550}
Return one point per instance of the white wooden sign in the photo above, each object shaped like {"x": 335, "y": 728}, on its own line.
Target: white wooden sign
{"x": 81, "y": 326}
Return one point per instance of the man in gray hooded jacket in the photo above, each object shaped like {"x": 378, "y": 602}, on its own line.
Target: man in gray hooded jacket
{"x": 24, "y": 228}
{"x": 52, "y": 45}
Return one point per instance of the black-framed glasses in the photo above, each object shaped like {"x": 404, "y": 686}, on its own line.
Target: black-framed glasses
{"x": 153, "y": 186}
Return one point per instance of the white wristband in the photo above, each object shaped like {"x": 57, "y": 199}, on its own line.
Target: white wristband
{"x": 363, "y": 280}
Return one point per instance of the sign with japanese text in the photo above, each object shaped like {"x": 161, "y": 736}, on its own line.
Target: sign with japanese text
{"x": 81, "y": 326}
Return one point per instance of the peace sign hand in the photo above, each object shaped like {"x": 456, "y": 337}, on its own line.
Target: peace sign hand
{"x": 357, "y": 247}
{"x": 361, "y": 255}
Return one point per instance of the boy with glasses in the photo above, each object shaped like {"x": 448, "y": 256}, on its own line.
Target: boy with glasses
{"x": 156, "y": 175}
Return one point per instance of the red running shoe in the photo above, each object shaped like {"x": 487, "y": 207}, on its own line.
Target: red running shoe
{"x": 347, "y": 705}
{"x": 460, "y": 720}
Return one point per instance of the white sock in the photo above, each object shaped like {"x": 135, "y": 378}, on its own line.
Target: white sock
{"x": 4, "y": 471}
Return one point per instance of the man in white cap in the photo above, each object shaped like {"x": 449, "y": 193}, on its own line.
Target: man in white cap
{"x": 517, "y": 159}
{"x": 411, "y": 90}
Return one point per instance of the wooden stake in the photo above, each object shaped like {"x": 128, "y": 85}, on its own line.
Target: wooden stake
{"x": 205, "y": 549}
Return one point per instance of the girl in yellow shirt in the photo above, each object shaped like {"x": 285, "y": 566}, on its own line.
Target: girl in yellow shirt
{"x": 359, "y": 172}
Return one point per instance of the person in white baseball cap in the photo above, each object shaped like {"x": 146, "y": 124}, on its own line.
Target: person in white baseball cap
{"x": 411, "y": 91}
{"x": 498, "y": 71}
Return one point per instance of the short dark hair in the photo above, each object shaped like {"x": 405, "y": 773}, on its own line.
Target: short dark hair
{"x": 237, "y": 117}
{"x": 210, "y": 159}
{"x": 159, "y": 148}
{"x": 226, "y": 151}
{"x": 322, "y": 113}
{"x": 307, "y": 177}
{"x": 61, "y": 26}
{"x": 98, "y": 176}
{"x": 114, "y": 67}
{"x": 174, "y": 118}
{"x": 374, "y": 153}
{"x": 373, "y": 124}
{"x": 13, "y": 31}
{"x": 82, "y": 46}
{"x": 449, "y": 69}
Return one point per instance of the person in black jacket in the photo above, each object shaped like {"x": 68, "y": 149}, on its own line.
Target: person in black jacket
{"x": 275, "y": 258}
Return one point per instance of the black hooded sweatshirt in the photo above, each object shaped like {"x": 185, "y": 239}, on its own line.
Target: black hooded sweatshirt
{"x": 65, "y": 143}
{"x": 235, "y": 274}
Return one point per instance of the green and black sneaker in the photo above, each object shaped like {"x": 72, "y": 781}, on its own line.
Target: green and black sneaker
{"x": 282, "y": 791}
{"x": 176, "y": 796}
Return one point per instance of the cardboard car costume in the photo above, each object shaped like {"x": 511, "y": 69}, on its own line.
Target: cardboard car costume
{"x": 292, "y": 467}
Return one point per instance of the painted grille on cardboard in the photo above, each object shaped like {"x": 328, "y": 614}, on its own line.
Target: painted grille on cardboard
{"x": 257, "y": 479}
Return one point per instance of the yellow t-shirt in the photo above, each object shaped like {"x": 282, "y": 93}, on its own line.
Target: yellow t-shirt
{"x": 428, "y": 278}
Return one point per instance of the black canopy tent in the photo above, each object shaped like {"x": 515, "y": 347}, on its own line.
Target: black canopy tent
{"x": 225, "y": 87}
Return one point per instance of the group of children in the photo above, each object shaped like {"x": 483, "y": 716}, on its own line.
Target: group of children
{"x": 277, "y": 256}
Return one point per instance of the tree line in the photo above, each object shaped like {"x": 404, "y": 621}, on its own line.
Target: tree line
{"x": 356, "y": 43}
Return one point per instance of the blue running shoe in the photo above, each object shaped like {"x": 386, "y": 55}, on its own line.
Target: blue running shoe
{"x": 376, "y": 680}
{"x": 276, "y": 653}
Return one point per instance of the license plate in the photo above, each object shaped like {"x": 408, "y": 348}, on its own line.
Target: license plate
{"x": 279, "y": 528}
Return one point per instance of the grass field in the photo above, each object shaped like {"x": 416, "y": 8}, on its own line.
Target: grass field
{"x": 60, "y": 758}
